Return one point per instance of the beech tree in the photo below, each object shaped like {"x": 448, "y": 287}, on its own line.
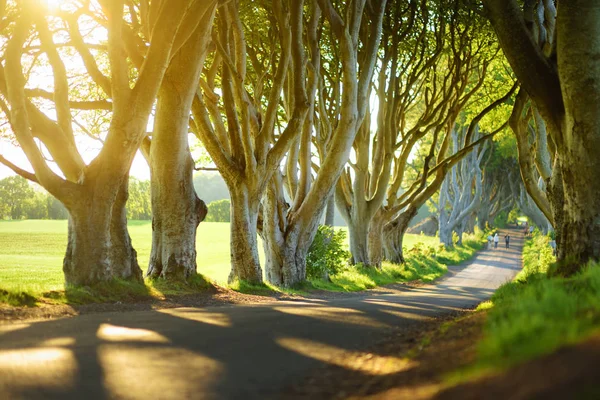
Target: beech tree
{"x": 289, "y": 235}
{"x": 455, "y": 80}
{"x": 99, "y": 247}
{"x": 563, "y": 83}
{"x": 500, "y": 173}
{"x": 413, "y": 42}
{"x": 461, "y": 192}
{"x": 176, "y": 209}
{"x": 237, "y": 125}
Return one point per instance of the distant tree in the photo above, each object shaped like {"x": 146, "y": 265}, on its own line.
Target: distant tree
{"x": 56, "y": 209}
{"x": 14, "y": 192}
{"x": 36, "y": 206}
{"x": 219, "y": 211}
{"x": 138, "y": 204}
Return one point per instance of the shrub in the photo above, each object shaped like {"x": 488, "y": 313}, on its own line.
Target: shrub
{"x": 327, "y": 253}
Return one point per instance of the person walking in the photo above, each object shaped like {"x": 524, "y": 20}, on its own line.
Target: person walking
{"x": 490, "y": 238}
{"x": 496, "y": 240}
{"x": 507, "y": 240}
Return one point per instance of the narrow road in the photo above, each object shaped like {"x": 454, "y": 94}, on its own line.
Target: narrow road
{"x": 225, "y": 352}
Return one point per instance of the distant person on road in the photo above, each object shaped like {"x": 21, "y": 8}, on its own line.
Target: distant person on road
{"x": 496, "y": 240}
{"x": 507, "y": 240}
{"x": 490, "y": 238}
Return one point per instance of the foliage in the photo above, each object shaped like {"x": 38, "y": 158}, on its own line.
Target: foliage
{"x": 424, "y": 262}
{"x": 501, "y": 220}
{"x": 20, "y": 199}
{"x": 327, "y": 253}
{"x": 219, "y": 211}
{"x": 139, "y": 206}
{"x": 535, "y": 314}
{"x": 15, "y": 194}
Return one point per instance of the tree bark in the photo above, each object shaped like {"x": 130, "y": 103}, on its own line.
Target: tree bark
{"x": 176, "y": 210}
{"x": 176, "y": 214}
{"x": 99, "y": 247}
{"x": 330, "y": 213}
{"x": 394, "y": 235}
{"x": 358, "y": 231}
{"x": 578, "y": 51}
{"x": 245, "y": 264}
{"x": 375, "y": 240}
{"x": 286, "y": 243}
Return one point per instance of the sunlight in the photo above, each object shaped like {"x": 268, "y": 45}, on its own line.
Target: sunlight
{"x": 4, "y": 329}
{"x": 333, "y": 314}
{"x": 58, "y": 342}
{"x": 367, "y": 363}
{"x": 114, "y": 333}
{"x": 142, "y": 373}
{"x": 192, "y": 314}
{"x": 49, "y": 367}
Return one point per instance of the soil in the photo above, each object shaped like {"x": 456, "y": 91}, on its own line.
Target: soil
{"x": 438, "y": 349}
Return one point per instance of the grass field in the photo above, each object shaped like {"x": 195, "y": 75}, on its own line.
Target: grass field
{"x": 31, "y": 252}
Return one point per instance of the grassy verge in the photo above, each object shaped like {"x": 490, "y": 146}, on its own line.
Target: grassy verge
{"x": 423, "y": 263}
{"x": 535, "y": 315}
{"x": 107, "y": 292}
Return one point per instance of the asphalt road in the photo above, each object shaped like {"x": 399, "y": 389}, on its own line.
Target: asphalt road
{"x": 225, "y": 352}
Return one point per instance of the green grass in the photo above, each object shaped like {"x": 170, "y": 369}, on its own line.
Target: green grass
{"x": 535, "y": 315}
{"x": 31, "y": 254}
{"x": 425, "y": 262}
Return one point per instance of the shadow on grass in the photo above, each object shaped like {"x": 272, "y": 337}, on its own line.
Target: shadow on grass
{"x": 266, "y": 289}
{"x": 117, "y": 290}
{"x": 17, "y": 298}
{"x": 105, "y": 292}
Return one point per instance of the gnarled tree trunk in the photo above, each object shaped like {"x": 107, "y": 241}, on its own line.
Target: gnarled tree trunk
{"x": 375, "y": 240}
{"x": 99, "y": 247}
{"x": 176, "y": 210}
{"x": 394, "y": 235}
{"x": 579, "y": 73}
{"x": 245, "y": 264}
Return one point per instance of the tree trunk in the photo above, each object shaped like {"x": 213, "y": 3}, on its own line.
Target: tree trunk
{"x": 286, "y": 265}
{"x": 99, "y": 247}
{"x": 330, "y": 213}
{"x": 286, "y": 244}
{"x": 394, "y": 235}
{"x": 176, "y": 210}
{"x": 358, "y": 231}
{"x": 579, "y": 70}
{"x": 375, "y": 240}
{"x": 176, "y": 214}
{"x": 273, "y": 234}
{"x": 245, "y": 264}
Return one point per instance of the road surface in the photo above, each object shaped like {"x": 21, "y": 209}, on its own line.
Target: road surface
{"x": 225, "y": 352}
